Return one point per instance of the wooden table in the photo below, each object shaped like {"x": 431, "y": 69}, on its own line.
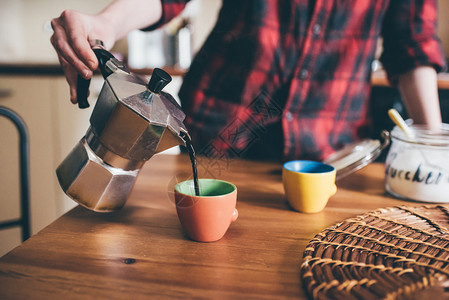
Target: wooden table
{"x": 141, "y": 252}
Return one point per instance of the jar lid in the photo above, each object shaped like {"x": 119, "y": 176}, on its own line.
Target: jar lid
{"x": 356, "y": 156}
{"x": 423, "y": 136}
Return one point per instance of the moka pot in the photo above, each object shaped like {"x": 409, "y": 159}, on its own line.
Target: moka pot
{"x": 132, "y": 120}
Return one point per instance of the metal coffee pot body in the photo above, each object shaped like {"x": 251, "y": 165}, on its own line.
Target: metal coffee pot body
{"x": 131, "y": 121}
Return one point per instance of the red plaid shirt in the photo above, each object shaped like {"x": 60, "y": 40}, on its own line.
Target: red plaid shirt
{"x": 302, "y": 64}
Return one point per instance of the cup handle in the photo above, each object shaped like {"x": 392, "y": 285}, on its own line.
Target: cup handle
{"x": 235, "y": 215}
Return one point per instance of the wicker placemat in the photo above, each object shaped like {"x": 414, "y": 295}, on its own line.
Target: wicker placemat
{"x": 390, "y": 253}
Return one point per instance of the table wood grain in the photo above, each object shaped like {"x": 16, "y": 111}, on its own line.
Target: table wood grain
{"x": 141, "y": 252}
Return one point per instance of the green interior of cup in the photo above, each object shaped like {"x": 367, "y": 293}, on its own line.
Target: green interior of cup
{"x": 208, "y": 187}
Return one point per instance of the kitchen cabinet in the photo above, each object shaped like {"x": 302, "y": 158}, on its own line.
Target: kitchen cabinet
{"x": 54, "y": 127}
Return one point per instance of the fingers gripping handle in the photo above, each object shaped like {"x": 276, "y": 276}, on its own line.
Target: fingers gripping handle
{"x": 82, "y": 85}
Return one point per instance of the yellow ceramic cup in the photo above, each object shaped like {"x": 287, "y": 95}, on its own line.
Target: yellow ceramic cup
{"x": 308, "y": 185}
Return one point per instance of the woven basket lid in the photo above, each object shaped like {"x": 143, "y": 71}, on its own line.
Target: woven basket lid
{"x": 391, "y": 253}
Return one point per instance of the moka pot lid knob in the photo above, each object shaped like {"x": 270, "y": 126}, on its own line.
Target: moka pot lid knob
{"x": 159, "y": 79}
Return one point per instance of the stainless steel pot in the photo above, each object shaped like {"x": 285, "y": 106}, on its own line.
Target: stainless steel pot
{"x": 131, "y": 121}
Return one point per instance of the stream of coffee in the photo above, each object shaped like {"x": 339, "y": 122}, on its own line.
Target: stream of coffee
{"x": 192, "y": 156}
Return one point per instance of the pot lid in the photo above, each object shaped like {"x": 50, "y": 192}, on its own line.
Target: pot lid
{"x": 356, "y": 156}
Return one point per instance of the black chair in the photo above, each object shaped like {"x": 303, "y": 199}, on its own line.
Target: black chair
{"x": 24, "y": 220}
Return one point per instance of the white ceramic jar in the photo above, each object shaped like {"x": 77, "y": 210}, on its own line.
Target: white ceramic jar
{"x": 417, "y": 168}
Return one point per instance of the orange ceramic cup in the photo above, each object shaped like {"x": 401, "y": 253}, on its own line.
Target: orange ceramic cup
{"x": 207, "y": 217}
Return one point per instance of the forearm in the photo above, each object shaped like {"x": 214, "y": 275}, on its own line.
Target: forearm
{"x": 419, "y": 90}
{"x": 127, "y": 15}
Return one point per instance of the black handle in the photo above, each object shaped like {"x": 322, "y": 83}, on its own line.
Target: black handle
{"x": 82, "y": 91}
{"x": 82, "y": 85}
{"x": 103, "y": 56}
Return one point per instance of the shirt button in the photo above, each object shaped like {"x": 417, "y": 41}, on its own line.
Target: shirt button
{"x": 289, "y": 116}
{"x": 316, "y": 29}
{"x": 303, "y": 74}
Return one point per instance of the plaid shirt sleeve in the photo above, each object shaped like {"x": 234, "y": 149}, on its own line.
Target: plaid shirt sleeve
{"x": 170, "y": 9}
{"x": 410, "y": 38}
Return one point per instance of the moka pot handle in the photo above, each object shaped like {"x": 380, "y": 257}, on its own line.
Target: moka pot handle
{"x": 82, "y": 85}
